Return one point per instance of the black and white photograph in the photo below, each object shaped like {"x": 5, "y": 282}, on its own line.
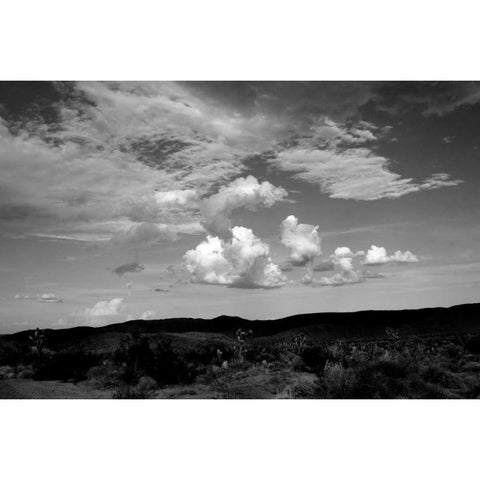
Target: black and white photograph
{"x": 239, "y": 240}
{"x": 231, "y": 240}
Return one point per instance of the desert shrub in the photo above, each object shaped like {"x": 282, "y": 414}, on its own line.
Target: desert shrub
{"x": 169, "y": 366}
{"x": 6, "y": 372}
{"x": 147, "y": 384}
{"x": 473, "y": 345}
{"x": 105, "y": 376}
{"x": 66, "y": 366}
{"x": 337, "y": 382}
{"x": 260, "y": 353}
{"x": 135, "y": 356}
{"x": 439, "y": 376}
{"x": 298, "y": 363}
{"x": 315, "y": 358}
{"x": 25, "y": 371}
{"x": 15, "y": 354}
{"x": 208, "y": 354}
{"x": 164, "y": 364}
{"x": 128, "y": 392}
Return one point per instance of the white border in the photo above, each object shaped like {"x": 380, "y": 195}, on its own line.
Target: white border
{"x": 218, "y": 40}
{"x": 239, "y": 439}
{"x": 252, "y": 39}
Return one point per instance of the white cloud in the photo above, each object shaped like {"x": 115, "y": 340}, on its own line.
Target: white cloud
{"x": 148, "y": 233}
{"x": 355, "y": 173}
{"x": 49, "y": 298}
{"x": 378, "y": 256}
{"x": 22, "y": 296}
{"x": 134, "y": 151}
{"x": 246, "y": 192}
{"x": 302, "y": 239}
{"x": 176, "y": 198}
{"x": 106, "y": 308}
{"x": 242, "y": 261}
{"x": 345, "y": 272}
{"x": 148, "y": 315}
{"x": 43, "y": 298}
{"x": 337, "y": 159}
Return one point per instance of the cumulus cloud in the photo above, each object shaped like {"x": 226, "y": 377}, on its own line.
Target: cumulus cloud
{"x": 106, "y": 308}
{"x": 147, "y": 315}
{"x": 378, "y": 256}
{"x": 324, "y": 266}
{"x": 302, "y": 239}
{"x": 242, "y": 261}
{"x": 341, "y": 262}
{"x": 246, "y": 192}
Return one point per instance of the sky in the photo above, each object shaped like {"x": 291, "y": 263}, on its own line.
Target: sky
{"x": 126, "y": 200}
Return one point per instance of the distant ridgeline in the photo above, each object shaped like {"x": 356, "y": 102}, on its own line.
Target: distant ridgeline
{"x": 318, "y": 326}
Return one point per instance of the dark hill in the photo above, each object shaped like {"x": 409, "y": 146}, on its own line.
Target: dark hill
{"x": 428, "y": 321}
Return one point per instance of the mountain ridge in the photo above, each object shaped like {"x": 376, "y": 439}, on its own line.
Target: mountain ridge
{"x": 364, "y": 323}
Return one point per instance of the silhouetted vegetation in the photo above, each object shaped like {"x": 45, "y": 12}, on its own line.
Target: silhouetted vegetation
{"x": 240, "y": 364}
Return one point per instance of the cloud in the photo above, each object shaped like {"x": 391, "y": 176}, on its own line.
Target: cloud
{"x": 246, "y": 192}
{"x": 43, "y": 298}
{"x": 132, "y": 267}
{"x": 49, "y": 298}
{"x": 355, "y": 173}
{"x": 147, "y": 233}
{"x": 242, "y": 261}
{"x": 341, "y": 262}
{"x": 106, "y": 308}
{"x": 378, "y": 256}
{"x": 325, "y": 266}
{"x": 344, "y": 277}
{"x": 342, "y": 162}
{"x": 114, "y": 151}
{"x": 147, "y": 315}
{"x": 302, "y": 239}
{"x": 21, "y": 296}
{"x": 176, "y": 198}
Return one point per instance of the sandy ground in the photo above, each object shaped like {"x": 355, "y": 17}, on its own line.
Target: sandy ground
{"x": 26, "y": 388}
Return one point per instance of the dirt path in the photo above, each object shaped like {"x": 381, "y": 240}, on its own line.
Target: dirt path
{"x": 26, "y": 388}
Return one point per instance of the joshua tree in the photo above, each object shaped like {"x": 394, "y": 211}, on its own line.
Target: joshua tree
{"x": 242, "y": 336}
{"x": 299, "y": 343}
{"x": 38, "y": 339}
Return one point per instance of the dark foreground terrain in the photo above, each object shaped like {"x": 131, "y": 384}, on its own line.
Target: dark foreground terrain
{"x": 428, "y": 353}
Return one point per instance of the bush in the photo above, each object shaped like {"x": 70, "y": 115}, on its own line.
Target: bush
{"x": 163, "y": 364}
{"x": 315, "y": 358}
{"x": 473, "y": 345}
{"x": 66, "y": 366}
{"x": 147, "y": 384}
{"x": 127, "y": 392}
{"x": 6, "y": 372}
